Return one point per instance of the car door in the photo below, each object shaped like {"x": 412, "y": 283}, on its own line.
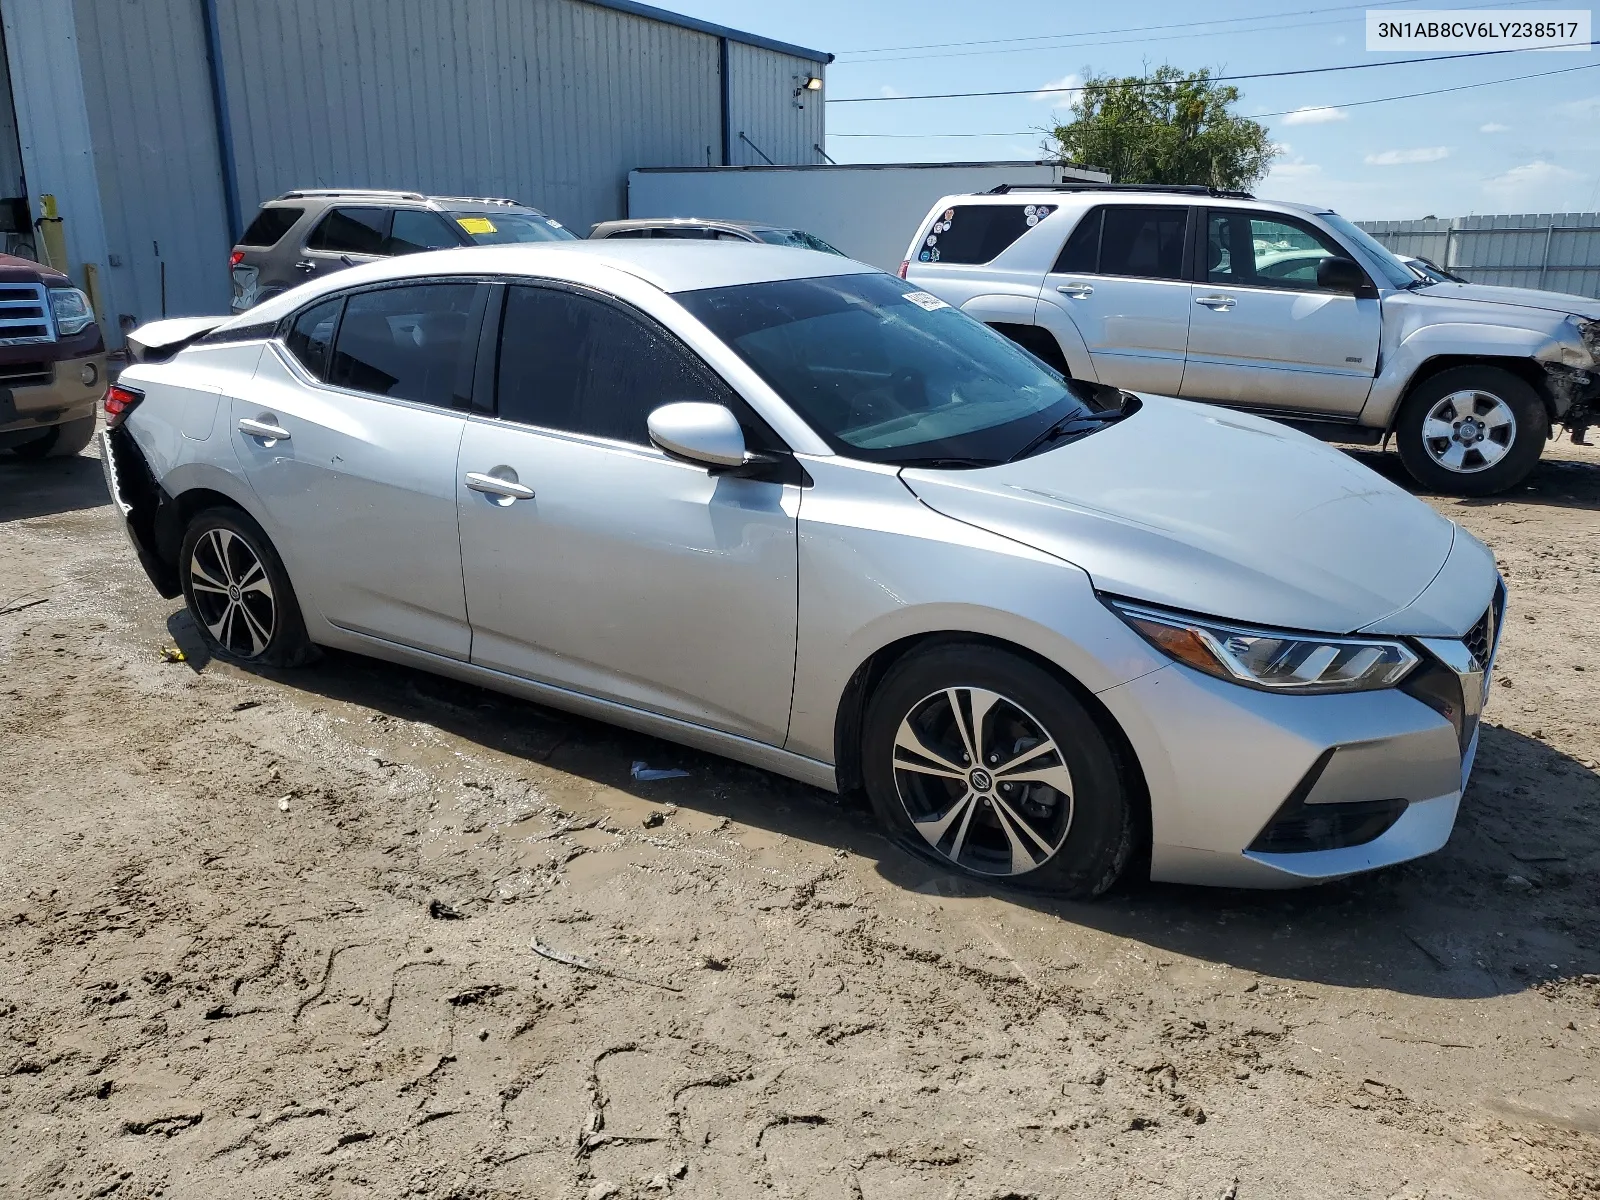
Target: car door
{"x": 345, "y": 237}
{"x": 596, "y": 563}
{"x": 1120, "y": 279}
{"x": 1263, "y": 334}
{"x": 349, "y": 436}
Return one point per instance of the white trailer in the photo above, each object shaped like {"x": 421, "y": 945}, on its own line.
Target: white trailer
{"x": 868, "y": 211}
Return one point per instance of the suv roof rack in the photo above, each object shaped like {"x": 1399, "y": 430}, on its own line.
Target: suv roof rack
{"x": 303, "y": 193}
{"x": 1185, "y": 189}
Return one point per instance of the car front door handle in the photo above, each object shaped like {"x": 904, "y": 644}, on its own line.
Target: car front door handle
{"x": 1076, "y": 290}
{"x": 264, "y": 429}
{"x": 1216, "y": 303}
{"x": 305, "y": 264}
{"x": 493, "y": 485}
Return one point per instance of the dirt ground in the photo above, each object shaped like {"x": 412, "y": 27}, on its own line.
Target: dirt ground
{"x": 275, "y": 936}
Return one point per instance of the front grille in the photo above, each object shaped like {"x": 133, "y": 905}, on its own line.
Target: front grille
{"x": 25, "y": 374}
{"x": 24, "y": 314}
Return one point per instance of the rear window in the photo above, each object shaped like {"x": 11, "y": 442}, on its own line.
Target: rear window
{"x": 977, "y": 233}
{"x": 270, "y": 225}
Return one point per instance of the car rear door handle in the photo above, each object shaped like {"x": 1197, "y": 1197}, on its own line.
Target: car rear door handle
{"x": 305, "y": 264}
{"x": 493, "y": 485}
{"x": 265, "y": 430}
{"x": 1216, "y": 303}
{"x": 1076, "y": 290}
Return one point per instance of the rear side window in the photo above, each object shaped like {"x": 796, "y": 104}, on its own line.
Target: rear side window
{"x": 270, "y": 225}
{"x": 577, "y": 364}
{"x": 977, "y": 233}
{"x": 411, "y": 343}
{"x": 1146, "y": 243}
{"x": 311, "y": 336}
{"x": 351, "y": 231}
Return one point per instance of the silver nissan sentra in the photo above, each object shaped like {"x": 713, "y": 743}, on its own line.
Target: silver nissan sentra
{"x": 789, "y": 509}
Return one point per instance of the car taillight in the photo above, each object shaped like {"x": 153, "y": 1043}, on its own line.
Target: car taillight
{"x": 235, "y": 259}
{"x": 119, "y": 402}
{"x": 904, "y": 267}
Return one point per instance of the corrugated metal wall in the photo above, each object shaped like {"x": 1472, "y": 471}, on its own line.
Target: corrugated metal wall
{"x": 1558, "y": 252}
{"x": 156, "y": 156}
{"x": 547, "y": 101}
{"x": 761, "y": 87}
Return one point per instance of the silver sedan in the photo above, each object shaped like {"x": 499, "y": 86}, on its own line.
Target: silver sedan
{"x": 780, "y": 506}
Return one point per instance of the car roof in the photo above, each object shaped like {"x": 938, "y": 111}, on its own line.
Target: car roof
{"x": 668, "y": 265}
{"x": 686, "y": 222}
{"x": 335, "y": 196}
{"x": 1023, "y": 194}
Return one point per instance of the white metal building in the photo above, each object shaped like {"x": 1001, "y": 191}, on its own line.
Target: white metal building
{"x": 159, "y": 125}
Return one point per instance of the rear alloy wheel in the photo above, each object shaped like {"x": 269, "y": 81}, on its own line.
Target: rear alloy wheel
{"x": 987, "y": 764}
{"x": 238, "y": 592}
{"x": 1472, "y": 431}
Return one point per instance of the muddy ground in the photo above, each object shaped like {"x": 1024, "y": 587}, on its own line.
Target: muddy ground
{"x": 274, "y": 936}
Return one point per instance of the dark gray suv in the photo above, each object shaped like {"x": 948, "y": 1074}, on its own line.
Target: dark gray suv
{"x": 307, "y": 233}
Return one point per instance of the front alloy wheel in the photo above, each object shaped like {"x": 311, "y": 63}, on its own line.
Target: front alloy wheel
{"x": 1472, "y": 430}
{"x": 982, "y": 781}
{"x": 1469, "y": 431}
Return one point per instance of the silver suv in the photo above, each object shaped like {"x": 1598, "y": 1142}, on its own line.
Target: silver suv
{"x": 304, "y": 234}
{"x": 1285, "y": 309}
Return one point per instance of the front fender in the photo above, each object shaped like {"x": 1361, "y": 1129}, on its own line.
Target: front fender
{"x": 1455, "y": 340}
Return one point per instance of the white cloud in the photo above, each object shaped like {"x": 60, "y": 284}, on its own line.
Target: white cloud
{"x": 1585, "y": 110}
{"x": 1315, "y": 114}
{"x": 1494, "y": 127}
{"x": 1052, "y": 92}
{"x": 1340, "y": 40}
{"x": 1401, "y": 158}
{"x": 1530, "y": 185}
{"x": 889, "y": 93}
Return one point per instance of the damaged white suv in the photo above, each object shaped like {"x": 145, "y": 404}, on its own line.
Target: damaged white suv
{"x": 1287, "y": 310}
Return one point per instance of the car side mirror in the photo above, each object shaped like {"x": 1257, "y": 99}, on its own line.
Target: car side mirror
{"x": 1341, "y": 275}
{"x": 706, "y": 434}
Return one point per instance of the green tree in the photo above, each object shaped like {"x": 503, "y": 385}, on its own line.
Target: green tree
{"x": 1169, "y": 127}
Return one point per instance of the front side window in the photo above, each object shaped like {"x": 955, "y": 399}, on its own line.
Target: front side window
{"x": 977, "y": 233}
{"x": 887, "y": 373}
{"x": 1248, "y": 250}
{"x": 506, "y": 228}
{"x": 351, "y": 231}
{"x": 571, "y": 362}
{"x": 410, "y": 343}
{"x": 310, "y": 336}
{"x": 417, "y": 229}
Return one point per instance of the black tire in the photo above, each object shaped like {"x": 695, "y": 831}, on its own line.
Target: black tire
{"x": 59, "y": 441}
{"x": 225, "y": 558}
{"x": 1090, "y": 821}
{"x": 1473, "y": 392}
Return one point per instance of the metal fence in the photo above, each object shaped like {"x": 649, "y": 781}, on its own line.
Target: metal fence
{"x": 1559, "y": 252}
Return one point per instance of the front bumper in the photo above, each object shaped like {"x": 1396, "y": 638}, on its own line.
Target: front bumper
{"x": 52, "y": 395}
{"x": 1238, "y": 777}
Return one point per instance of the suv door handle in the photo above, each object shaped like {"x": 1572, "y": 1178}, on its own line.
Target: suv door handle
{"x": 1216, "y": 303}
{"x": 305, "y": 264}
{"x": 1077, "y": 290}
{"x": 265, "y": 430}
{"x": 492, "y": 485}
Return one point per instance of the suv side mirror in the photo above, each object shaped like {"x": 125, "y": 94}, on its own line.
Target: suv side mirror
{"x": 706, "y": 434}
{"x": 1341, "y": 275}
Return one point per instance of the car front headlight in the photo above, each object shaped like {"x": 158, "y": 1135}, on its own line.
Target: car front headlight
{"x": 1270, "y": 659}
{"x": 71, "y": 311}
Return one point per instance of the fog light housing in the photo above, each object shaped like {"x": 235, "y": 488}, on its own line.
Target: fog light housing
{"x": 1301, "y": 828}
{"x": 89, "y": 374}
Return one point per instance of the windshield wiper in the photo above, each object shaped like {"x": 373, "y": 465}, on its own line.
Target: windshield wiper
{"x": 943, "y": 462}
{"x": 1072, "y": 423}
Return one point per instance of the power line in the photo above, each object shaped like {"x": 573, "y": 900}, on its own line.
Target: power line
{"x": 1155, "y": 29}
{"x": 1393, "y": 62}
{"x": 1460, "y": 87}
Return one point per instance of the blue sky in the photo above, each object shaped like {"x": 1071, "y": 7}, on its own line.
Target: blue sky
{"x": 1529, "y": 146}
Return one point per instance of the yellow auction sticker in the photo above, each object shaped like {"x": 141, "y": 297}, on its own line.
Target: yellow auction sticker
{"x": 476, "y": 224}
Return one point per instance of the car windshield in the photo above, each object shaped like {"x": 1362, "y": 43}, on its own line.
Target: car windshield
{"x": 502, "y": 228}
{"x": 795, "y": 237}
{"x": 1394, "y": 271}
{"x": 889, "y": 374}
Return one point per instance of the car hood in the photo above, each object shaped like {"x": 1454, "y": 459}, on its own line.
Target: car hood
{"x": 1561, "y": 302}
{"x": 1215, "y": 512}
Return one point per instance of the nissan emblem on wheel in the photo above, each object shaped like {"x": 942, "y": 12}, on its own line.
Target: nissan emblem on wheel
{"x": 775, "y": 504}
{"x": 1287, "y": 310}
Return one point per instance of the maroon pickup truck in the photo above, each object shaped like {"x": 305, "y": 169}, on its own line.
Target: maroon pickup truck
{"x": 52, "y": 361}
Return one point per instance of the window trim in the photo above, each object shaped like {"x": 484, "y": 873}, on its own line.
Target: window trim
{"x": 479, "y": 310}
{"x": 1321, "y": 236}
{"x": 741, "y": 408}
{"x": 1185, "y": 254}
